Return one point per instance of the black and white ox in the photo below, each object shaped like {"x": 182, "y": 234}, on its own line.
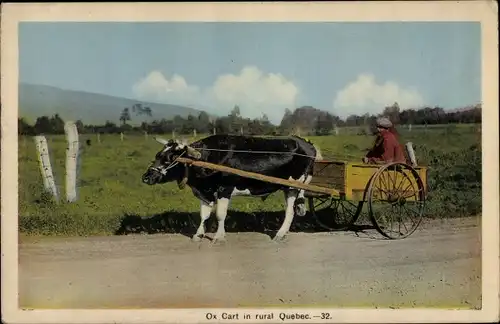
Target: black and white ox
{"x": 287, "y": 158}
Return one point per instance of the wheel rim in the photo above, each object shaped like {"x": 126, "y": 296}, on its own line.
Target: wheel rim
{"x": 334, "y": 214}
{"x": 396, "y": 200}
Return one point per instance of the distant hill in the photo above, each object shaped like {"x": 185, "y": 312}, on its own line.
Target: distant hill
{"x": 91, "y": 108}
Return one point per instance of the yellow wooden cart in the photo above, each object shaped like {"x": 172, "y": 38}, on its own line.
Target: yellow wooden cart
{"x": 395, "y": 193}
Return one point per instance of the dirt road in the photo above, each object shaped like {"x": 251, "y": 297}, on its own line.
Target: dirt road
{"x": 439, "y": 265}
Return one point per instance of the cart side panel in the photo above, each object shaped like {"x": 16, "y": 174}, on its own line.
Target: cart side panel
{"x": 422, "y": 173}
{"x": 329, "y": 174}
{"x": 397, "y": 183}
{"x": 357, "y": 177}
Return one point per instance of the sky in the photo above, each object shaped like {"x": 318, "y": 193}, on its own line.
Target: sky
{"x": 343, "y": 68}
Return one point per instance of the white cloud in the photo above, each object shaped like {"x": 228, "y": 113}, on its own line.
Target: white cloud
{"x": 254, "y": 91}
{"x": 366, "y": 95}
{"x": 155, "y": 86}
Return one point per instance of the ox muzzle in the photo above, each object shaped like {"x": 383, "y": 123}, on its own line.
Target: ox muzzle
{"x": 155, "y": 173}
{"x": 152, "y": 176}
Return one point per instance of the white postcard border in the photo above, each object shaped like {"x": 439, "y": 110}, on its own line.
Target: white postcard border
{"x": 481, "y": 11}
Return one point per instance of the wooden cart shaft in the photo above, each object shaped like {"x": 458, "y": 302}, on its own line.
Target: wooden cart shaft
{"x": 261, "y": 177}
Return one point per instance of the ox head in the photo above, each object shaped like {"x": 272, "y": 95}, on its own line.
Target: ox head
{"x": 165, "y": 168}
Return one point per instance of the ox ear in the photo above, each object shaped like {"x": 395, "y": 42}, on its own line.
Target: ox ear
{"x": 191, "y": 152}
{"x": 161, "y": 140}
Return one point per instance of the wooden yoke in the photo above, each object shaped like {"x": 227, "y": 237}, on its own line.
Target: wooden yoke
{"x": 261, "y": 177}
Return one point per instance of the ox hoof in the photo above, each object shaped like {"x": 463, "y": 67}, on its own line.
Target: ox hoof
{"x": 197, "y": 237}
{"x": 279, "y": 238}
{"x": 219, "y": 240}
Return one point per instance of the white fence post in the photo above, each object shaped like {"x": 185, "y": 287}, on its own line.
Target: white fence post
{"x": 45, "y": 167}
{"x": 121, "y": 136}
{"x": 71, "y": 160}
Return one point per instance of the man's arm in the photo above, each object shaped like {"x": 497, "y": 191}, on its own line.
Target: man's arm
{"x": 390, "y": 148}
{"x": 377, "y": 146}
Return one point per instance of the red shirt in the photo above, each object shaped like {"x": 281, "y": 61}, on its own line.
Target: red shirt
{"x": 386, "y": 149}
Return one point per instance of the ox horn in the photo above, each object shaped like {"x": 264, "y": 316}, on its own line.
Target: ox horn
{"x": 193, "y": 153}
{"x": 161, "y": 140}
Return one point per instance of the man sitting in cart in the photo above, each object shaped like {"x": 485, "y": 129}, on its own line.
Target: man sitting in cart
{"x": 386, "y": 148}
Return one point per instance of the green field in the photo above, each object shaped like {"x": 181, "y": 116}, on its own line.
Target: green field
{"x": 112, "y": 198}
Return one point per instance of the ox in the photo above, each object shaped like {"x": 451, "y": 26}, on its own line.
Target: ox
{"x": 287, "y": 158}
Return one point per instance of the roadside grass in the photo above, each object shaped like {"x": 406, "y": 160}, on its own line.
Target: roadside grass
{"x": 110, "y": 188}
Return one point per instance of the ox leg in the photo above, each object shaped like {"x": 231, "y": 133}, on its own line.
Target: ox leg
{"x": 221, "y": 213}
{"x": 290, "y": 198}
{"x": 300, "y": 203}
{"x": 205, "y": 211}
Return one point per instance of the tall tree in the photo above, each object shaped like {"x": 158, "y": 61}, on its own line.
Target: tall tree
{"x": 392, "y": 112}
{"x": 125, "y": 116}
{"x": 139, "y": 109}
{"x": 57, "y": 124}
{"x": 235, "y": 113}
{"x": 24, "y": 128}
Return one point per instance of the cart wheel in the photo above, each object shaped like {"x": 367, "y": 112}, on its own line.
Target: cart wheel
{"x": 334, "y": 214}
{"x": 396, "y": 200}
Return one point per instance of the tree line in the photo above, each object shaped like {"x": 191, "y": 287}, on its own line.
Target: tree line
{"x": 306, "y": 119}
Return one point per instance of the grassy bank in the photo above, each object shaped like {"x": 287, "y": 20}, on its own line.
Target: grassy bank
{"x": 112, "y": 197}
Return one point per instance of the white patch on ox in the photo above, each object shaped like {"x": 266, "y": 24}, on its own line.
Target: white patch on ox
{"x": 290, "y": 197}
{"x": 205, "y": 211}
{"x": 246, "y": 192}
{"x": 181, "y": 144}
{"x": 290, "y": 209}
{"x": 221, "y": 213}
{"x": 168, "y": 147}
{"x": 237, "y": 192}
